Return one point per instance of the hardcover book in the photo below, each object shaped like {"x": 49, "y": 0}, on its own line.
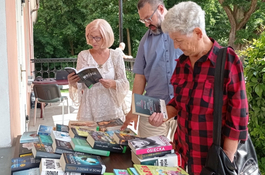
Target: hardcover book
{"x": 132, "y": 171}
{"x": 25, "y": 149}
{"x": 62, "y": 128}
{"x": 90, "y": 124}
{"x": 156, "y": 154}
{"x": 63, "y": 136}
{"x": 145, "y": 106}
{"x": 82, "y": 163}
{"x": 62, "y": 146}
{"x": 87, "y": 75}
{"x": 32, "y": 171}
{"x": 102, "y": 140}
{"x": 120, "y": 172}
{"x": 168, "y": 160}
{"x": 153, "y": 170}
{"x": 30, "y": 136}
{"x": 44, "y": 151}
{"x": 110, "y": 125}
{"x": 150, "y": 144}
{"x": 23, "y": 163}
{"x": 45, "y": 139}
{"x": 81, "y": 145}
{"x": 122, "y": 137}
{"x": 44, "y": 130}
{"x": 51, "y": 166}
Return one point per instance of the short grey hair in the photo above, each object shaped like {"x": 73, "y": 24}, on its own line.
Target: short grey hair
{"x": 184, "y": 18}
{"x": 153, "y": 3}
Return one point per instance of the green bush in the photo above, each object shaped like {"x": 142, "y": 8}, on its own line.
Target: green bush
{"x": 254, "y": 61}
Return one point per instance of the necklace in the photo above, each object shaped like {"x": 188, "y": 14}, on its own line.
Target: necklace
{"x": 100, "y": 66}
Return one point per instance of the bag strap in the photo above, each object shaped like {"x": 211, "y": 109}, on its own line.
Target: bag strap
{"x": 218, "y": 95}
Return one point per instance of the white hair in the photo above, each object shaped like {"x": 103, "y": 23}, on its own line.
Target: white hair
{"x": 184, "y": 18}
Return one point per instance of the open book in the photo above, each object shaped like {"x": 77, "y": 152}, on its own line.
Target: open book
{"x": 87, "y": 75}
{"x": 146, "y": 106}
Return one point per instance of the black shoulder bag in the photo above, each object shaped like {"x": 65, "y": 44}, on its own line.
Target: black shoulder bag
{"x": 217, "y": 162}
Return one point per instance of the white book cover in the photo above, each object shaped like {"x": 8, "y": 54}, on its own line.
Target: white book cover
{"x": 63, "y": 136}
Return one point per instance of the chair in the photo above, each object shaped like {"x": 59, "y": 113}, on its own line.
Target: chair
{"x": 48, "y": 93}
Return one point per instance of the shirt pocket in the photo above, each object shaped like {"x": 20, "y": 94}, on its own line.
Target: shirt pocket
{"x": 207, "y": 94}
{"x": 179, "y": 89}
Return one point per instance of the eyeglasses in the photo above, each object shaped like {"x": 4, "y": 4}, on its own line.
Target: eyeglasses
{"x": 148, "y": 20}
{"x": 96, "y": 38}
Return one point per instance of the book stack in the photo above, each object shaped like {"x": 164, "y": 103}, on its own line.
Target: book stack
{"x": 153, "y": 150}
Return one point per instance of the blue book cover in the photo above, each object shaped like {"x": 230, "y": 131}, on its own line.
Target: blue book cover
{"x": 32, "y": 171}
{"x": 120, "y": 171}
{"x": 23, "y": 163}
{"x": 44, "y": 130}
{"x": 62, "y": 128}
{"x": 132, "y": 171}
{"x": 30, "y": 136}
{"x": 45, "y": 139}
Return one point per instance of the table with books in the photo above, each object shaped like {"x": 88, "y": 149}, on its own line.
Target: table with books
{"x": 101, "y": 149}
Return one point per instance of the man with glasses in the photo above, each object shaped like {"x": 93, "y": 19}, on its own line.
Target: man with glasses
{"x": 153, "y": 67}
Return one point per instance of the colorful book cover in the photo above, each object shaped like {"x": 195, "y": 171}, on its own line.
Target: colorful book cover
{"x": 110, "y": 125}
{"x": 168, "y": 160}
{"x": 51, "y": 166}
{"x": 45, "y": 139}
{"x": 90, "y": 124}
{"x": 122, "y": 137}
{"x": 132, "y": 171}
{"x": 150, "y": 144}
{"x": 62, "y": 128}
{"x": 30, "y": 136}
{"x": 44, "y": 151}
{"x": 102, "y": 140}
{"x": 81, "y": 145}
{"x": 82, "y": 131}
{"x": 32, "y": 171}
{"x": 63, "y": 136}
{"x": 157, "y": 154}
{"x": 25, "y": 149}
{"x": 23, "y": 163}
{"x": 62, "y": 146}
{"x": 153, "y": 170}
{"x": 82, "y": 163}
{"x": 120, "y": 172}
{"x": 45, "y": 130}
{"x": 73, "y": 133}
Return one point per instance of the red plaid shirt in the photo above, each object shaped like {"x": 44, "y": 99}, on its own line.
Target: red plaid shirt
{"x": 193, "y": 98}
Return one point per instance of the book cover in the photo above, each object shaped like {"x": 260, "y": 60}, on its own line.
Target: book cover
{"x": 156, "y": 154}
{"x": 102, "y": 140}
{"x": 60, "y": 146}
{"x": 120, "y": 172}
{"x": 90, "y": 124}
{"x": 62, "y": 128}
{"x": 87, "y": 75}
{"x": 63, "y": 136}
{"x": 153, "y": 170}
{"x": 44, "y": 151}
{"x": 82, "y": 163}
{"x": 32, "y": 171}
{"x": 108, "y": 173}
{"x": 149, "y": 144}
{"x": 110, "y": 125}
{"x": 30, "y": 136}
{"x": 168, "y": 160}
{"x": 23, "y": 163}
{"x": 122, "y": 137}
{"x": 82, "y": 131}
{"x": 81, "y": 145}
{"x": 73, "y": 133}
{"x": 132, "y": 171}
{"x": 44, "y": 130}
{"x": 45, "y": 139}
{"x": 25, "y": 149}
{"x": 146, "y": 106}
{"x": 51, "y": 166}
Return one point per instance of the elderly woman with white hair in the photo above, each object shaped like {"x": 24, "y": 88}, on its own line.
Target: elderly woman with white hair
{"x": 193, "y": 81}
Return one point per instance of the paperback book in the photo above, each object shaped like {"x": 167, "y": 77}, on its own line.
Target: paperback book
{"x": 45, "y": 139}
{"x": 31, "y": 171}
{"x": 62, "y": 146}
{"x": 51, "y": 166}
{"x": 168, "y": 160}
{"x": 44, "y": 130}
{"x": 87, "y": 75}
{"x": 62, "y": 128}
{"x": 23, "y": 163}
{"x": 122, "y": 137}
{"x": 102, "y": 140}
{"x": 81, "y": 145}
{"x": 44, "y": 151}
{"x": 145, "y": 106}
{"x": 132, "y": 171}
{"x": 82, "y": 163}
{"x": 25, "y": 149}
{"x": 89, "y": 124}
{"x": 153, "y": 170}
{"x": 120, "y": 172}
{"x": 29, "y": 136}
{"x": 63, "y": 136}
{"x": 110, "y": 125}
{"x": 150, "y": 144}
{"x": 73, "y": 133}
{"x": 156, "y": 154}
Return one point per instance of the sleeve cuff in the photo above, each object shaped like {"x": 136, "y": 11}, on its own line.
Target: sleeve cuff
{"x": 235, "y": 134}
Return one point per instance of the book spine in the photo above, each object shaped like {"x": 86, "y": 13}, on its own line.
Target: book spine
{"x": 107, "y": 147}
{"x": 60, "y": 151}
{"x": 153, "y": 150}
{"x": 86, "y": 169}
{"x": 92, "y": 151}
{"x": 157, "y": 154}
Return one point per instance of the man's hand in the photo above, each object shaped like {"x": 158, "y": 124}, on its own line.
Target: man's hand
{"x": 73, "y": 79}
{"x": 129, "y": 119}
{"x": 156, "y": 119}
